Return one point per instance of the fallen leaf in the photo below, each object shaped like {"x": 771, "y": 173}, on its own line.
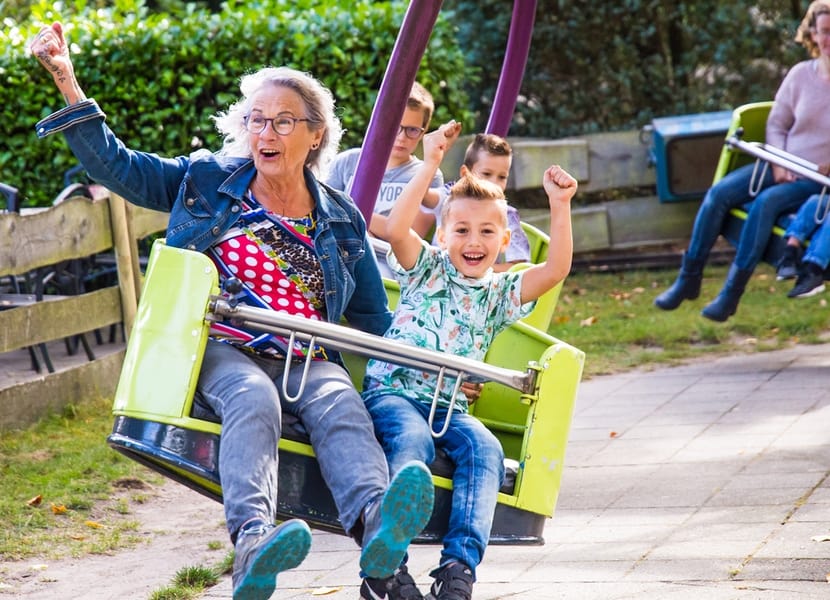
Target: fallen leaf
{"x": 93, "y": 524}
{"x": 58, "y": 509}
{"x": 613, "y": 434}
{"x": 561, "y": 319}
{"x": 638, "y": 290}
{"x": 35, "y": 501}
{"x": 325, "y": 591}
{"x": 821, "y": 538}
{"x": 588, "y": 322}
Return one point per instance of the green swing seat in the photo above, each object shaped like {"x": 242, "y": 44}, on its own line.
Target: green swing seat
{"x": 155, "y": 422}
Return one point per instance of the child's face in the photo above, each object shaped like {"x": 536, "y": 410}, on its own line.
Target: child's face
{"x": 490, "y": 167}
{"x": 473, "y": 234}
{"x": 404, "y": 146}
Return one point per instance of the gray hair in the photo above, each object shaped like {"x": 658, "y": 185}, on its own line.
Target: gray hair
{"x": 318, "y": 101}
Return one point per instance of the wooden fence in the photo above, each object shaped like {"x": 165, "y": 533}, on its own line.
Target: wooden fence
{"x": 30, "y": 243}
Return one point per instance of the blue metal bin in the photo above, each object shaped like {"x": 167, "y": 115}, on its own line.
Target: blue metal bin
{"x": 685, "y": 151}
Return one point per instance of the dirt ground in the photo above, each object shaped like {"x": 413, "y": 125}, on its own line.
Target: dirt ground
{"x": 177, "y": 525}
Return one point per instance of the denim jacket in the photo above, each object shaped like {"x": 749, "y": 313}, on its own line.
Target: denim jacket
{"x": 203, "y": 194}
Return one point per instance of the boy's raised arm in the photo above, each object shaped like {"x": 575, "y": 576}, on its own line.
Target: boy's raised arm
{"x": 406, "y": 243}
{"x": 560, "y": 188}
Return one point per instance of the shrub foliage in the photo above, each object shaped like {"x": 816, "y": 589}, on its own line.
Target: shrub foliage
{"x": 161, "y": 69}
{"x": 160, "y": 76}
{"x": 604, "y": 66}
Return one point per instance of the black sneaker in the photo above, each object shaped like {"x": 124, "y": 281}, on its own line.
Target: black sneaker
{"x": 399, "y": 586}
{"x": 809, "y": 283}
{"x": 787, "y": 267}
{"x": 453, "y": 582}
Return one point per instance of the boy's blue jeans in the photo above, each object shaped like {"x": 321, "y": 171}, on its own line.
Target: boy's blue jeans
{"x": 733, "y": 191}
{"x": 402, "y": 428}
{"x": 804, "y": 226}
{"x": 241, "y": 389}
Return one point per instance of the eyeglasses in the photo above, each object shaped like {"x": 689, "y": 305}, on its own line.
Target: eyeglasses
{"x": 413, "y": 133}
{"x": 281, "y": 124}
{"x": 822, "y": 33}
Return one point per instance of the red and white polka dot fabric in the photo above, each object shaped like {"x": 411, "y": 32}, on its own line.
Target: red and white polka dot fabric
{"x": 259, "y": 272}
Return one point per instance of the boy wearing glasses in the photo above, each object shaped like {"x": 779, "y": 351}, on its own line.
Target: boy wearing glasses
{"x": 400, "y": 168}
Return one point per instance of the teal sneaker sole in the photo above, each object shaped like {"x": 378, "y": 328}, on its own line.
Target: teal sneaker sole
{"x": 405, "y": 509}
{"x": 285, "y": 549}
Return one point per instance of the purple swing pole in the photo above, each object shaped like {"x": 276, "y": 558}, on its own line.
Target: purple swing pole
{"x": 391, "y": 102}
{"x": 513, "y": 67}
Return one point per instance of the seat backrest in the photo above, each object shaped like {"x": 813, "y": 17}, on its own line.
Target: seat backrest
{"x": 752, "y": 118}
{"x": 167, "y": 343}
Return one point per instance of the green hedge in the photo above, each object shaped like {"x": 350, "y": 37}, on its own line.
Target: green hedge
{"x": 606, "y": 66}
{"x": 160, "y": 77}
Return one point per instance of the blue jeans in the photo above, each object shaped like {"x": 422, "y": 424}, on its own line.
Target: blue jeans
{"x": 733, "y": 191}
{"x": 402, "y": 428}
{"x": 804, "y": 227}
{"x": 241, "y": 389}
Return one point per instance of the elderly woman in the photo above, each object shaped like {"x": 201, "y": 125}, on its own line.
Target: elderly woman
{"x": 798, "y": 123}
{"x": 258, "y": 211}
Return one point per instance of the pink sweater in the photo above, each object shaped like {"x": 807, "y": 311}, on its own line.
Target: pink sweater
{"x": 799, "y": 121}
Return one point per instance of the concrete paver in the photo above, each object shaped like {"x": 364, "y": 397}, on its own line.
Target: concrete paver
{"x": 708, "y": 480}
{"x": 703, "y": 481}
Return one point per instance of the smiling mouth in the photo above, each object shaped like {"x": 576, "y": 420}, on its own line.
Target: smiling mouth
{"x": 473, "y": 257}
{"x": 268, "y": 153}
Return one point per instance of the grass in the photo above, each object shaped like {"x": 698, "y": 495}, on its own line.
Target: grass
{"x": 66, "y": 493}
{"x": 611, "y": 317}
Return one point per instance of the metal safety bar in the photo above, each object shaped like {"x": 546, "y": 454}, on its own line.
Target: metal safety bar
{"x": 785, "y": 159}
{"x": 345, "y": 339}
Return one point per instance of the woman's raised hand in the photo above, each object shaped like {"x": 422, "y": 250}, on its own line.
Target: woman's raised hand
{"x": 51, "y": 49}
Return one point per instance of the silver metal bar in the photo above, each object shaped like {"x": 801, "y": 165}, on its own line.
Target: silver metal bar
{"x": 779, "y": 157}
{"x": 756, "y": 181}
{"x": 287, "y": 367}
{"x": 432, "y": 409}
{"x": 345, "y": 339}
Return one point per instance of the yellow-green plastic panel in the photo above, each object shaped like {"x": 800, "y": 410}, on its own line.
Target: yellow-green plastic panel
{"x": 167, "y": 343}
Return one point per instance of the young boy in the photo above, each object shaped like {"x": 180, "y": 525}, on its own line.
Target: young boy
{"x": 489, "y": 157}
{"x": 452, "y": 301}
{"x": 400, "y": 168}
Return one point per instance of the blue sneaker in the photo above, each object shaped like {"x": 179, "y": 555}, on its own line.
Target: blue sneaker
{"x": 401, "y": 514}
{"x": 262, "y": 552}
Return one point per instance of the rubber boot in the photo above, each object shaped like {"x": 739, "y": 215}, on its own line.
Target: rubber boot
{"x": 685, "y": 287}
{"x": 725, "y": 305}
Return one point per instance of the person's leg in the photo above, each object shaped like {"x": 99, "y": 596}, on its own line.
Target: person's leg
{"x": 479, "y": 471}
{"x": 816, "y": 259}
{"x": 772, "y": 202}
{"x": 798, "y": 232}
{"x": 382, "y": 515}
{"x": 402, "y": 429}
{"x": 804, "y": 224}
{"x": 729, "y": 192}
{"x": 339, "y": 426}
{"x": 244, "y": 398}
{"x": 768, "y": 205}
{"x": 403, "y": 433}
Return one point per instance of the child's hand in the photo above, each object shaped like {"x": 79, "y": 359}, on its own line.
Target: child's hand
{"x": 437, "y": 142}
{"x": 558, "y": 183}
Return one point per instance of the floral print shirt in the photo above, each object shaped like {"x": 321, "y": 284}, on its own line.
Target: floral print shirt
{"x": 440, "y": 309}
